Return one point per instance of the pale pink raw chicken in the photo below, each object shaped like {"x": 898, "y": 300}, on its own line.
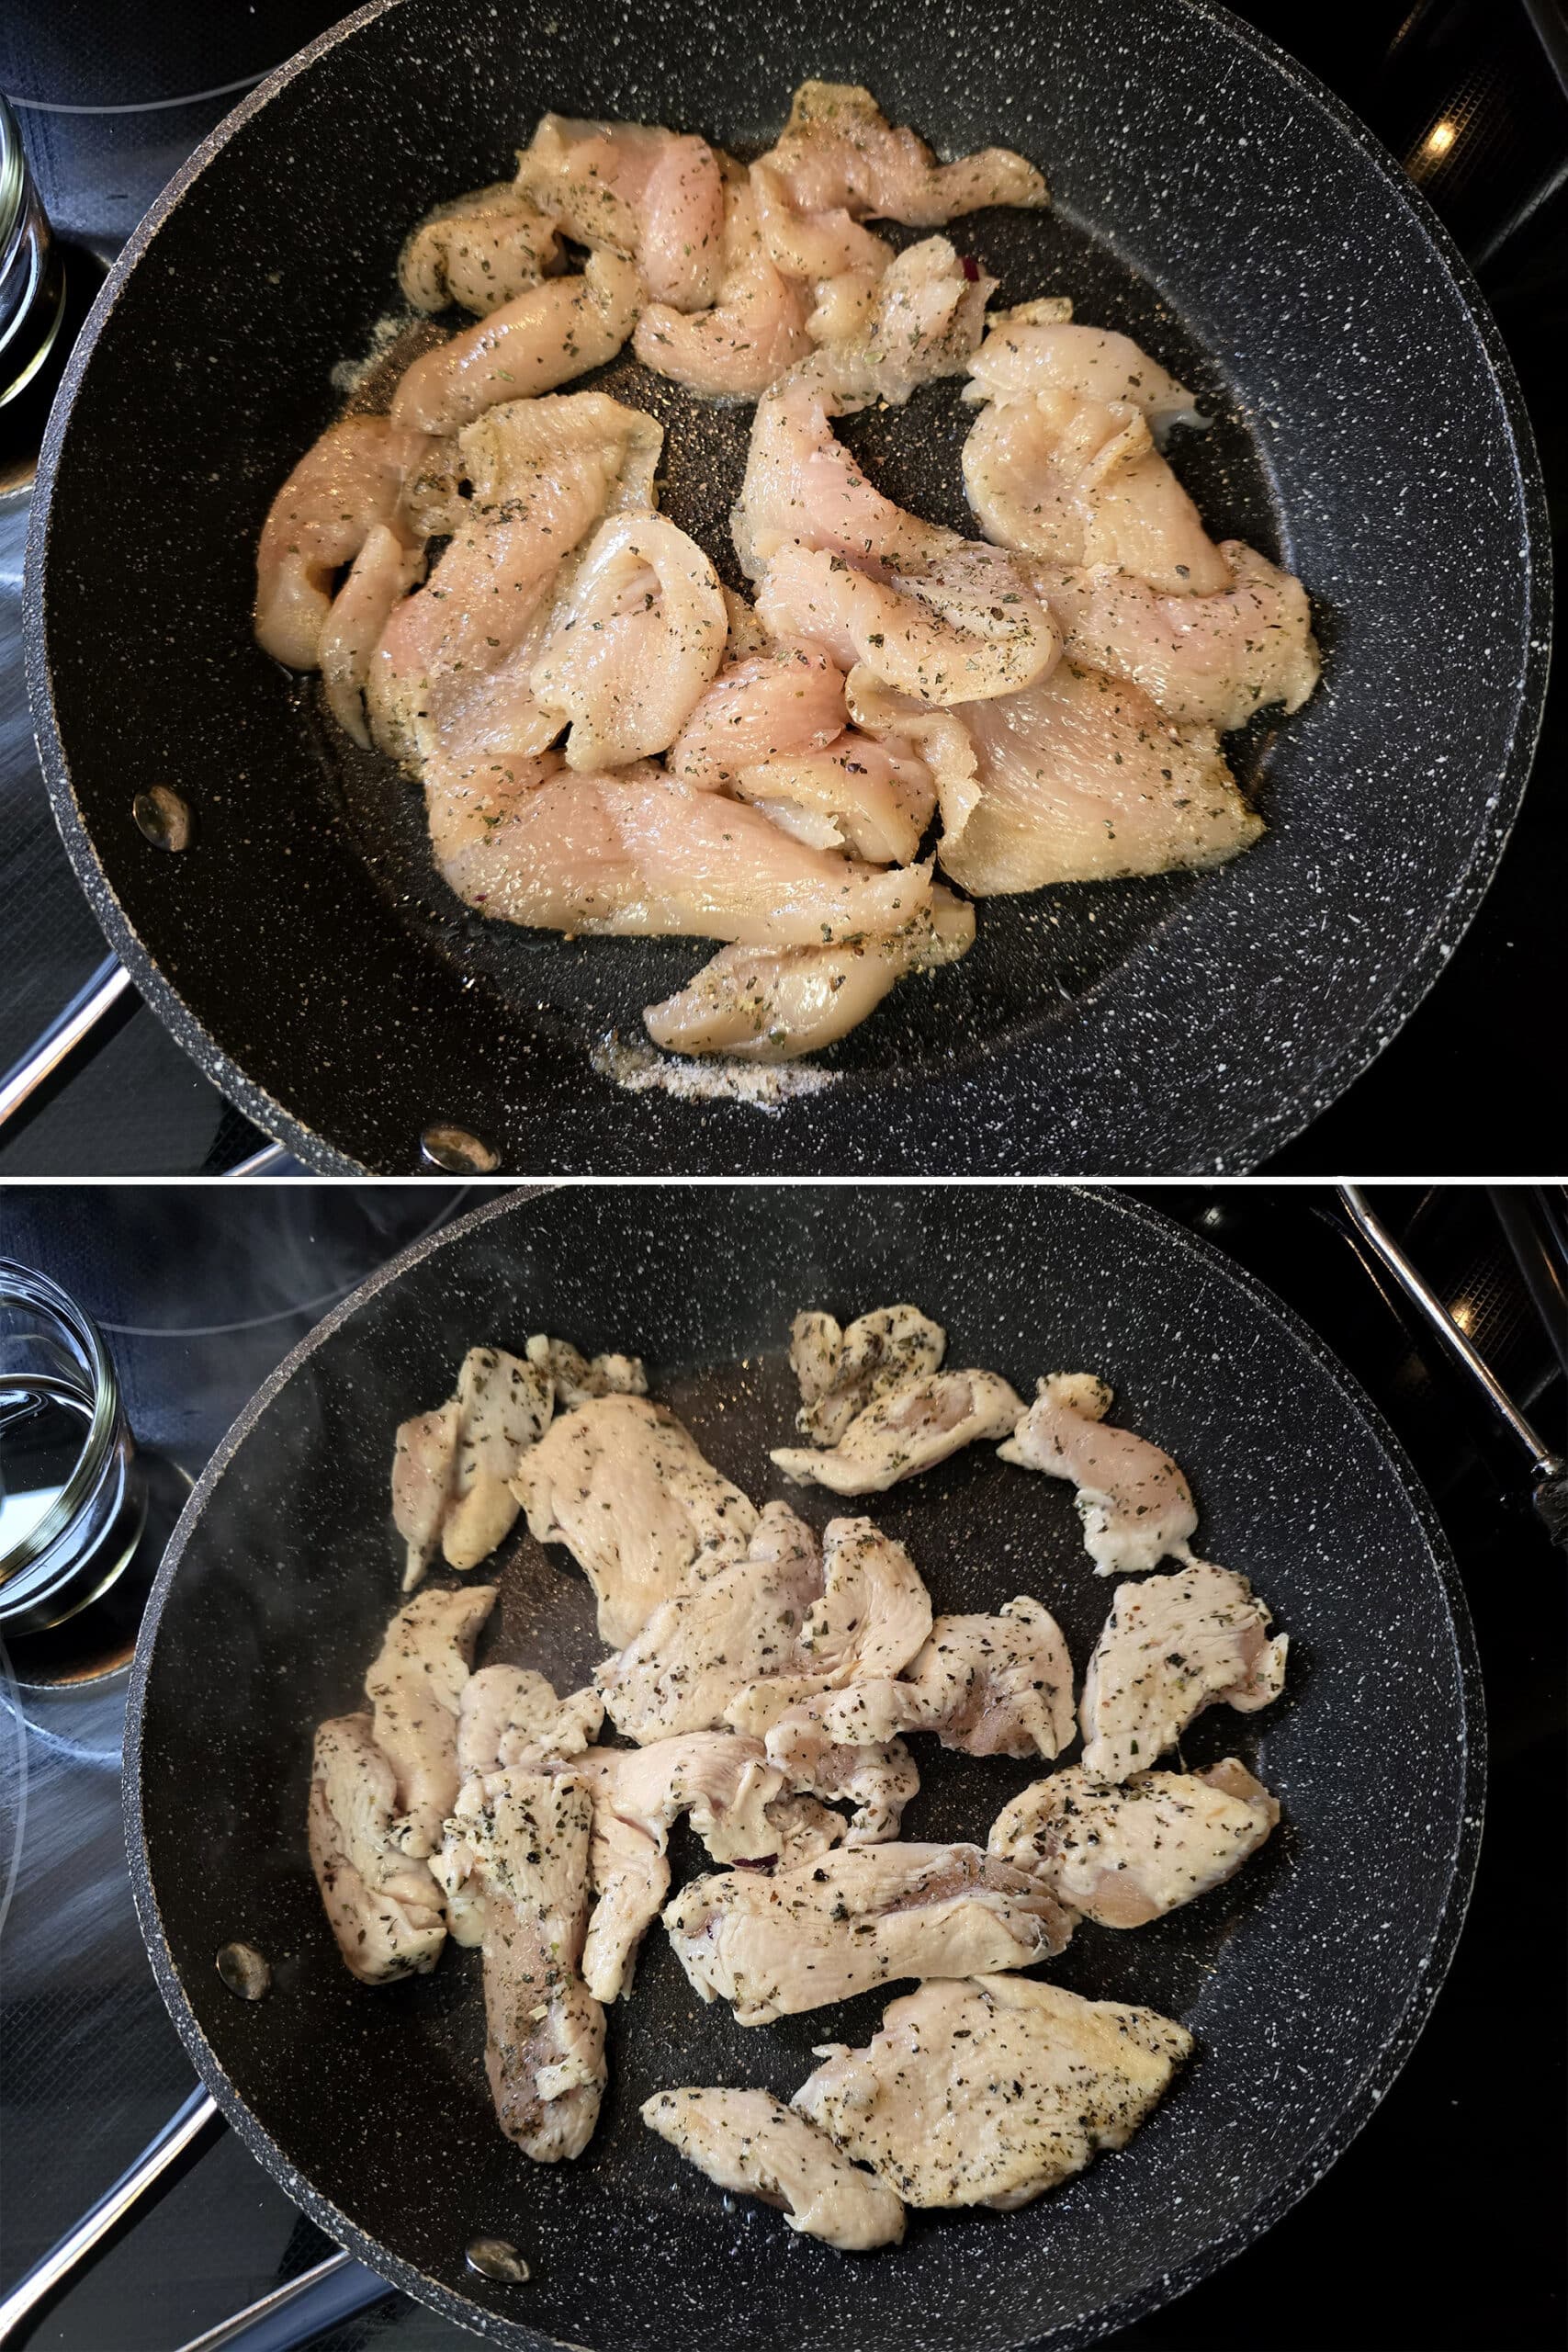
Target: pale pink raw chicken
{"x": 786, "y": 701}
{"x": 755, "y": 330}
{"x": 348, "y": 482}
{"x": 1035, "y": 348}
{"x": 838, "y": 149}
{"x": 478, "y": 249}
{"x": 654, "y": 196}
{"x": 964, "y": 628}
{"x": 553, "y": 331}
{"x": 636, "y": 639}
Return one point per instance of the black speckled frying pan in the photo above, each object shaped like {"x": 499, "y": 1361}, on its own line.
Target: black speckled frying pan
{"x": 1305, "y": 1980}
{"x": 1210, "y": 197}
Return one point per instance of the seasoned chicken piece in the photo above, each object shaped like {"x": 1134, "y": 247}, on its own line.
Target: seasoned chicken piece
{"x": 1207, "y": 661}
{"x": 1135, "y": 1505}
{"x": 1033, "y": 348}
{"x": 478, "y": 250}
{"x": 635, "y": 640}
{"x": 423, "y": 1460}
{"x": 990, "y": 1686}
{"x": 1171, "y": 1646}
{"x": 621, "y": 1483}
{"x": 1080, "y": 779}
{"x": 749, "y": 2142}
{"x": 909, "y": 1428}
{"x": 384, "y": 1909}
{"x": 1124, "y": 1854}
{"x": 638, "y": 852}
{"x": 773, "y": 1004}
{"x": 654, "y": 196}
{"x": 347, "y": 483}
{"x": 576, "y": 1377}
{"x": 992, "y": 2091}
{"x": 1080, "y": 481}
{"x": 551, "y": 332}
{"x": 756, "y": 328}
{"x": 874, "y": 1613}
{"x": 450, "y": 681}
{"x": 380, "y": 577}
{"x": 415, "y": 1688}
{"x": 878, "y": 1782}
{"x": 503, "y": 1407}
{"x": 839, "y": 149}
{"x": 826, "y": 1930}
{"x": 841, "y": 1370}
{"x": 923, "y": 320}
{"x": 545, "y": 2040}
{"x": 871, "y": 798}
{"x": 813, "y": 245}
{"x": 698, "y": 1650}
{"x": 510, "y": 1716}
{"x": 803, "y": 485}
{"x": 783, "y": 703}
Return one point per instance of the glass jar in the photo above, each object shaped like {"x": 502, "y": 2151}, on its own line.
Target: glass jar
{"x": 73, "y": 1492}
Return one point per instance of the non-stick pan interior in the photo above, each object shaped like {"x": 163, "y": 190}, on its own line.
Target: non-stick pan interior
{"x": 1209, "y": 200}
{"x": 1303, "y": 1979}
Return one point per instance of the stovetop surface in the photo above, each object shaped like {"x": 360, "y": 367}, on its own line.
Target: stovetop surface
{"x": 105, "y": 100}
{"x": 1440, "y": 2229}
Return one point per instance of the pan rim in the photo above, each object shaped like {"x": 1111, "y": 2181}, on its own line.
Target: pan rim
{"x": 1076, "y": 2336}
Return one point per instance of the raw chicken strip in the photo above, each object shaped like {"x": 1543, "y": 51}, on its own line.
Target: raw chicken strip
{"x": 576, "y": 1377}
{"x": 621, "y": 1483}
{"x": 478, "y": 250}
{"x": 755, "y": 330}
{"x": 638, "y": 852}
{"x": 636, "y": 638}
{"x": 749, "y": 2142}
{"x": 654, "y": 196}
{"x": 1080, "y": 481}
{"x": 1125, "y": 1855}
{"x": 380, "y": 576}
{"x": 924, "y": 320}
{"x": 415, "y": 1688}
{"x": 542, "y": 337}
{"x": 1033, "y": 348}
{"x": 825, "y": 1930}
{"x": 347, "y": 482}
{"x": 839, "y": 149}
{"x": 873, "y": 798}
{"x": 842, "y": 1369}
{"x": 698, "y": 1650}
{"x": 384, "y": 1909}
{"x": 802, "y": 484}
{"x": 874, "y": 1616}
{"x": 1207, "y": 661}
{"x": 816, "y": 245}
{"x": 1082, "y": 779}
{"x": 423, "y": 1458}
{"x": 1171, "y": 1646}
{"x": 989, "y": 1686}
{"x": 786, "y": 701}
{"x": 545, "y": 2040}
{"x": 910, "y": 1428}
{"x": 773, "y": 1004}
{"x": 993, "y": 2091}
{"x": 1135, "y": 1503}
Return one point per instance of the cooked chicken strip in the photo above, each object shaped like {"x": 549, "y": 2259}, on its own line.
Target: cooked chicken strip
{"x": 384, "y": 1909}
{"x": 910, "y": 1428}
{"x": 826, "y": 1930}
{"x": 1124, "y": 1854}
{"x": 510, "y": 1716}
{"x": 878, "y": 1782}
{"x": 415, "y": 1688}
{"x": 874, "y": 1616}
{"x": 698, "y": 1650}
{"x": 544, "y": 336}
{"x": 1207, "y": 661}
{"x": 621, "y": 1483}
{"x": 503, "y": 1407}
{"x": 1135, "y": 1505}
{"x": 1033, "y": 348}
{"x": 348, "y": 481}
{"x": 842, "y": 1369}
{"x": 576, "y": 1377}
{"x": 755, "y": 330}
{"x": 654, "y": 196}
{"x": 1081, "y": 779}
{"x": 990, "y": 1686}
{"x": 424, "y": 1461}
{"x": 1171, "y": 1646}
{"x": 773, "y": 1004}
{"x": 749, "y": 2142}
{"x": 839, "y": 149}
{"x": 785, "y": 701}
{"x": 545, "y": 2041}
{"x": 478, "y": 250}
{"x": 993, "y": 2091}
{"x": 635, "y": 641}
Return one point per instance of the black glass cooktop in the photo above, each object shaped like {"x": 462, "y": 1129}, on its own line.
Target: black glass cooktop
{"x": 111, "y": 99}
{"x": 1439, "y": 2231}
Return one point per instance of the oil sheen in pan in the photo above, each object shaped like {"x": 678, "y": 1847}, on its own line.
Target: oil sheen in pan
{"x": 1031, "y": 952}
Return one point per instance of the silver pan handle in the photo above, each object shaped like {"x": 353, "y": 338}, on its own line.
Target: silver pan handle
{"x": 299, "y": 2311}
{"x": 71, "y": 1024}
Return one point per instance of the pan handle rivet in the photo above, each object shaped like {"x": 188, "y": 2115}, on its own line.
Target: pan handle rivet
{"x": 244, "y": 1970}
{"x": 458, "y": 1152}
{"x": 497, "y": 2258}
{"x": 163, "y": 817}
